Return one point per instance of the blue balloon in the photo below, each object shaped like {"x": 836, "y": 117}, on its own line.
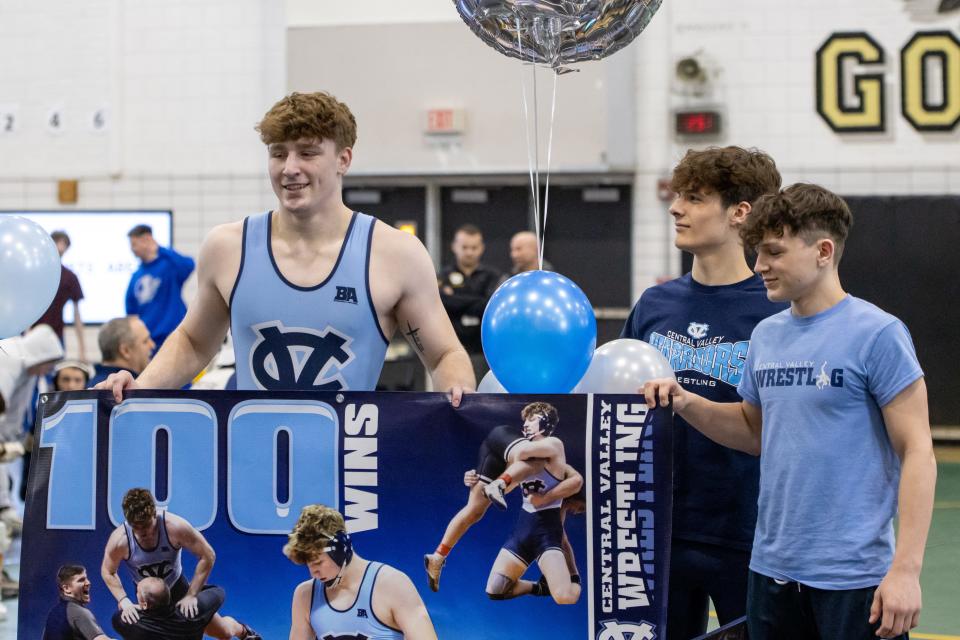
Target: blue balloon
{"x": 539, "y": 333}
{"x": 29, "y": 273}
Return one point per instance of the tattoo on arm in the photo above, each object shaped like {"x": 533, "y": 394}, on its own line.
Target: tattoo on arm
{"x": 412, "y": 334}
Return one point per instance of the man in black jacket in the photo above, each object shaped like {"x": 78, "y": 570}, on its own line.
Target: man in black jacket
{"x": 465, "y": 288}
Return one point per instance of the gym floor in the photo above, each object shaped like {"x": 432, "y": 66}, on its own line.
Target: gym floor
{"x": 940, "y": 619}
{"x": 940, "y": 581}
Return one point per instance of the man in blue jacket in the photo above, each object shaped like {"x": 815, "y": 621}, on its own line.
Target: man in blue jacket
{"x": 154, "y": 292}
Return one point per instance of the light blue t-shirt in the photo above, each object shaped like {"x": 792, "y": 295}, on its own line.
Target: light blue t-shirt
{"x": 828, "y": 473}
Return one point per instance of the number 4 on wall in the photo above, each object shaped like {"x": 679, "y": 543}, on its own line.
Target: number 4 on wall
{"x": 55, "y": 123}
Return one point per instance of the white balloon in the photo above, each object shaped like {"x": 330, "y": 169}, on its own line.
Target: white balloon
{"x": 623, "y": 366}
{"x": 490, "y": 384}
{"x": 29, "y": 273}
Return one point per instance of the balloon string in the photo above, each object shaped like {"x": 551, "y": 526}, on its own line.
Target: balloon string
{"x": 546, "y": 203}
{"x": 526, "y": 128}
{"x": 536, "y": 148}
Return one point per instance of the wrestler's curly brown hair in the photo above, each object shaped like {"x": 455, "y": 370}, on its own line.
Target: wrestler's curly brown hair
{"x": 139, "y": 507}
{"x": 315, "y": 527}
{"x": 807, "y": 210}
{"x": 309, "y": 115}
{"x": 547, "y": 412}
{"x": 737, "y": 174}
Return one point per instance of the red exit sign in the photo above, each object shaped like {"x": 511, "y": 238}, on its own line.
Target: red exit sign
{"x": 445, "y": 121}
{"x": 697, "y": 123}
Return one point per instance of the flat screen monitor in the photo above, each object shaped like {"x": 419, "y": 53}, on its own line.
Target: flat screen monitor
{"x": 100, "y": 254}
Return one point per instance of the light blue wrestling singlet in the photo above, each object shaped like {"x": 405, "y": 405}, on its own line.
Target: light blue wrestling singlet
{"x": 355, "y": 623}
{"x": 320, "y": 338}
{"x": 162, "y": 561}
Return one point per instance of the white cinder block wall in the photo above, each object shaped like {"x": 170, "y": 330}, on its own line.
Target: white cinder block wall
{"x": 182, "y": 82}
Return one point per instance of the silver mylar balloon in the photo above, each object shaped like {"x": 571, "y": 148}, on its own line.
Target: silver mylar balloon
{"x": 557, "y": 32}
{"x": 623, "y": 366}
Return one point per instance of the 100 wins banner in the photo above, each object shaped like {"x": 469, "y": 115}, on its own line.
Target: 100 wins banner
{"x": 238, "y": 467}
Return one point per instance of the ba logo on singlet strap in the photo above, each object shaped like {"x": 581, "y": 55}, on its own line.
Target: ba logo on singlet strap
{"x": 346, "y": 294}
{"x": 345, "y": 636}
{"x": 157, "y": 570}
{"x": 299, "y": 358}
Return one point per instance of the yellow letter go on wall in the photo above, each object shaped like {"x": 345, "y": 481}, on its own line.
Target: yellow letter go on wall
{"x": 867, "y": 112}
{"x": 918, "y": 61}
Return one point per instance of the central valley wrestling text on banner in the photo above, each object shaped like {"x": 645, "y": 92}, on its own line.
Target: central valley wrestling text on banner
{"x": 239, "y": 467}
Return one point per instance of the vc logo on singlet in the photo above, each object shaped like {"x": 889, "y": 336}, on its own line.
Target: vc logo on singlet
{"x": 615, "y": 630}
{"x": 345, "y": 636}
{"x": 157, "y": 570}
{"x": 299, "y": 358}
{"x": 533, "y": 487}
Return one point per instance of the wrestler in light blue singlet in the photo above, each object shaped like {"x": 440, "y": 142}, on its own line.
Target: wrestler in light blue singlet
{"x": 162, "y": 561}
{"x": 356, "y": 622}
{"x": 321, "y": 338}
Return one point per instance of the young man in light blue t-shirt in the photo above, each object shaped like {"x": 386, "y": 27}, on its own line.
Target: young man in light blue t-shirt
{"x": 834, "y": 400}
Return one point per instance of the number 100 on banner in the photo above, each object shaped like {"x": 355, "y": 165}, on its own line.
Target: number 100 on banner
{"x": 286, "y": 454}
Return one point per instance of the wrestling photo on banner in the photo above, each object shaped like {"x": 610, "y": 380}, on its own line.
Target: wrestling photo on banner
{"x": 347, "y": 516}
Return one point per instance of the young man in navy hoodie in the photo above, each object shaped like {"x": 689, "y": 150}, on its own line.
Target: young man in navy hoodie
{"x": 702, "y": 322}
